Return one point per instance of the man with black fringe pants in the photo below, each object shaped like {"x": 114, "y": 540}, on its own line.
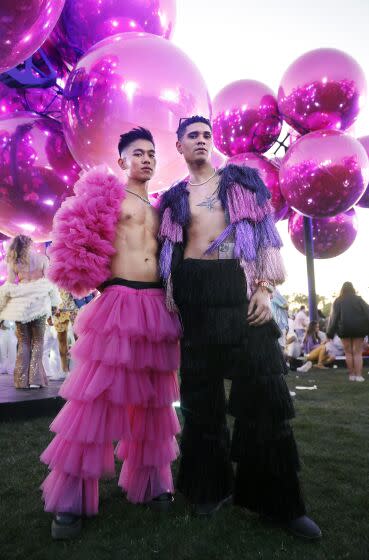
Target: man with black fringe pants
{"x": 220, "y": 260}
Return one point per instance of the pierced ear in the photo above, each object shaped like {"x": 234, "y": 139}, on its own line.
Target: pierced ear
{"x": 179, "y": 147}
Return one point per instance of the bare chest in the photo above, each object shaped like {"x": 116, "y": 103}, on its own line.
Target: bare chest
{"x": 207, "y": 214}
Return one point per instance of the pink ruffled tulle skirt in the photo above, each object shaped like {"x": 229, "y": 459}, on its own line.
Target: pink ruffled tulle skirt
{"x": 122, "y": 389}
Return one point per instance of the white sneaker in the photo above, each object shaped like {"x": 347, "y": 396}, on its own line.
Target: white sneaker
{"x": 35, "y": 386}
{"x": 305, "y": 367}
{"x": 359, "y": 378}
{"x": 352, "y": 377}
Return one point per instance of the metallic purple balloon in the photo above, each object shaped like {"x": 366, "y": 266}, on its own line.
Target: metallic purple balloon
{"x": 85, "y": 22}
{"x": 269, "y": 173}
{"x": 331, "y": 236}
{"x": 24, "y": 26}
{"x": 37, "y": 172}
{"x": 364, "y": 200}
{"x": 322, "y": 89}
{"x": 132, "y": 79}
{"x": 245, "y": 118}
{"x": 324, "y": 173}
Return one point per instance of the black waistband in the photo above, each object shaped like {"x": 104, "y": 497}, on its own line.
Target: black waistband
{"x": 135, "y": 284}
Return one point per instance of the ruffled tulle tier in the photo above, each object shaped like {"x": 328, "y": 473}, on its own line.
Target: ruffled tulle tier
{"x": 129, "y": 312}
{"x": 66, "y": 493}
{"x": 98, "y": 421}
{"x": 144, "y": 483}
{"x": 87, "y": 461}
{"x": 120, "y": 385}
{"x": 148, "y": 453}
{"x": 137, "y": 354}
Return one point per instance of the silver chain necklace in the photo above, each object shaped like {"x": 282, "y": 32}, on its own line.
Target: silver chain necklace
{"x": 203, "y": 183}
{"x": 146, "y": 200}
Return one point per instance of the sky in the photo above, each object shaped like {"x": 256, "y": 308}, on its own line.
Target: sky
{"x": 238, "y": 39}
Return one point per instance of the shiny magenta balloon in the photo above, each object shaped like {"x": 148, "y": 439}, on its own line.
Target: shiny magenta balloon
{"x": 245, "y": 118}
{"x": 364, "y": 200}
{"x": 331, "y": 236}
{"x": 324, "y": 173}
{"x": 37, "y": 172}
{"x": 24, "y": 26}
{"x": 132, "y": 79}
{"x": 85, "y": 22}
{"x": 269, "y": 173}
{"x": 322, "y": 89}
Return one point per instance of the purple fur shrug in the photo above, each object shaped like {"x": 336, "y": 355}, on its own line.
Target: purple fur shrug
{"x": 245, "y": 198}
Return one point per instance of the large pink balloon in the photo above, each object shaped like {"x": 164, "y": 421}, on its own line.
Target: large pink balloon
{"x": 245, "y": 118}
{"x": 132, "y": 79}
{"x": 85, "y": 22}
{"x": 37, "y": 172}
{"x": 324, "y": 173}
{"x": 331, "y": 236}
{"x": 269, "y": 173}
{"x": 324, "y": 88}
{"x": 364, "y": 200}
{"x": 24, "y": 26}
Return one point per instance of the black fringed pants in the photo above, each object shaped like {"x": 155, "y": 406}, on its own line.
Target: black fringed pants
{"x": 218, "y": 343}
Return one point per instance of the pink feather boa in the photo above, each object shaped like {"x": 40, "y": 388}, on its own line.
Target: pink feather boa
{"x": 84, "y": 232}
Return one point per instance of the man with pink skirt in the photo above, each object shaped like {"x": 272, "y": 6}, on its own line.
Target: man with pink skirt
{"x": 124, "y": 381}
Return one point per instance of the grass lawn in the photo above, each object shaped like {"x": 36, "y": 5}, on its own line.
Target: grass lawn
{"x": 332, "y": 430}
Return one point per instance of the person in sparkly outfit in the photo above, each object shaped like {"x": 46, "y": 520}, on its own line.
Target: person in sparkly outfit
{"x": 27, "y": 298}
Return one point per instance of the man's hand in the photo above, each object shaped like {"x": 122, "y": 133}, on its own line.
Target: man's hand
{"x": 259, "y": 308}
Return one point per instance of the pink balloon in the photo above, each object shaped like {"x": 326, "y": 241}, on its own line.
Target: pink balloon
{"x": 324, "y": 173}
{"x": 331, "y": 236}
{"x": 37, "y": 173}
{"x": 132, "y": 79}
{"x": 85, "y": 22}
{"x": 323, "y": 88}
{"x": 245, "y": 118}
{"x": 24, "y": 26}
{"x": 269, "y": 173}
{"x": 364, "y": 200}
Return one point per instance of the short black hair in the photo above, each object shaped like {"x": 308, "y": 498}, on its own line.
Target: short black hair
{"x": 138, "y": 133}
{"x": 184, "y": 123}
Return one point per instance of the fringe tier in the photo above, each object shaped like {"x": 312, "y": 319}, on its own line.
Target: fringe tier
{"x": 122, "y": 389}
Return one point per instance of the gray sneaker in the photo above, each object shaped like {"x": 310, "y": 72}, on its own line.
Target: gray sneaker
{"x": 66, "y": 526}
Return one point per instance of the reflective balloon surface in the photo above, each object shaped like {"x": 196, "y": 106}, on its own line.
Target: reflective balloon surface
{"x": 322, "y": 89}
{"x": 24, "y": 26}
{"x": 85, "y": 22}
{"x": 364, "y": 200}
{"x": 324, "y": 173}
{"x": 331, "y": 236}
{"x": 131, "y": 80}
{"x": 245, "y": 118}
{"x": 269, "y": 173}
{"x": 37, "y": 172}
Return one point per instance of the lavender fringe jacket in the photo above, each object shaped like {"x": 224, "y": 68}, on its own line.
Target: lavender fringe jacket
{"x": 245, "y": 199}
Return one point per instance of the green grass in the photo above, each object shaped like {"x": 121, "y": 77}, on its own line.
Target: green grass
{"x": 332, "y": 430}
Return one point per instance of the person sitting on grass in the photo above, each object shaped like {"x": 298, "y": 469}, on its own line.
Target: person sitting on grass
{"x": 315, "y": 350}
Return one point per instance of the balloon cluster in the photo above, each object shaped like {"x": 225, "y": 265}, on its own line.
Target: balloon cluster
{"x": 100, "y": 67}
